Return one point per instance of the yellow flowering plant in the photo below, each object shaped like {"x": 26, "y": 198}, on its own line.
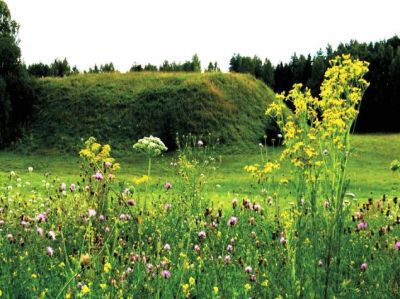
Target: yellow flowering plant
{"x": 317, "y": 145}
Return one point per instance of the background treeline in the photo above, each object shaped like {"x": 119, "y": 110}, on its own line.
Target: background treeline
{"x": 380, "y": 109}
{"x": 61, "y": 68}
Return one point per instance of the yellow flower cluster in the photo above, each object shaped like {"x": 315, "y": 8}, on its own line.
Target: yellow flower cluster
{"x": 261, "y": 172}
{"x": 318, "y": 122}
{"x": 96, "y": 153}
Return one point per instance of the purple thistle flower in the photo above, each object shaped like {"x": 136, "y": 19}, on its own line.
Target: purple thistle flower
{"x": 253, "y": 277}
{"x": 248, "y": 269}
{"x": 168, "y": 185}
{"x": 229, "y": 248}
{"x": 63, "y": 187}
{"x": 167, "y": 247}
{"x": 166, "y": 274}
{"x": 397, "y": 245}
{"x": 202, "y": 234}
{"x": 256, "y": 207}
{"x": 39, "y": 231}
{"x": 283, "y": 240}
{"x": 227, "y": 259}
{"x": 50, "y": 251}
{"x": 101, "y": 217}
{"x": 362, "y": 225}
{"x": 41, "y": 217}
{"x": 364, "y": 266}
{"x": 72, "y": 187}
{"x": 52, "y": 235}
{"x": 200, "y": 143}
{"x": 2, "y": 222}
{"x": 98, "y": 176}
{"x": 149, "y": 268}
{"x": 168, "y": 207}
{"x": 196, "y": 248}
{"x": 107, "y": 164}
{"x": 232, "y": 221}
{"x": 129, "y": 270}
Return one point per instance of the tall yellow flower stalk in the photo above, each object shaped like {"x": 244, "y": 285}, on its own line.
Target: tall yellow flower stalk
{"x": 317, "y": 144}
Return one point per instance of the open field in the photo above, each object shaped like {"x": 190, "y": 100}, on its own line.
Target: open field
{"x": 368, "y": 168}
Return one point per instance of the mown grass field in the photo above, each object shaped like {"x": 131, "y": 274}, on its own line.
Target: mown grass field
{"x": 368, "y": 169}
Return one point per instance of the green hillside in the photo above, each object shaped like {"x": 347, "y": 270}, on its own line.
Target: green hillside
{"x": 120, "y": 108}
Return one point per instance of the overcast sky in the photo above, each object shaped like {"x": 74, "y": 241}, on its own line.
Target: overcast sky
{"x": 122, "y": 31}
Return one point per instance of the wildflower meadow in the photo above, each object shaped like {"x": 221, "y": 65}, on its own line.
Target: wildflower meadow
{"x": 301, "y": 233}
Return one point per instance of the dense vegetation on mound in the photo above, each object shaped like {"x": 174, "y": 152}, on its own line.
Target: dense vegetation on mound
{"x": 121, "y": 108}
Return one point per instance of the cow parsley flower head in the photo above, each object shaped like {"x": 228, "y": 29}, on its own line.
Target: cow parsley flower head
{"x": 151, "y": 146}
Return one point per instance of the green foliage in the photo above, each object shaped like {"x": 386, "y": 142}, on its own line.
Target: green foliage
{"x": 15, "y": 87}
{"x": 118, "y": 108}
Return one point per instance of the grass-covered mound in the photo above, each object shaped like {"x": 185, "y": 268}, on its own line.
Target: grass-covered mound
{"x": 120, "y": 108}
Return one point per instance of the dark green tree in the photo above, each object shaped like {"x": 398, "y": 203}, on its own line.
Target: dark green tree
{"x": 16, "y": 87}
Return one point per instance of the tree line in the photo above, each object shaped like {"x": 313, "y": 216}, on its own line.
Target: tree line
{"x": 61, "y": 68}
{"x": 380, "y": 107}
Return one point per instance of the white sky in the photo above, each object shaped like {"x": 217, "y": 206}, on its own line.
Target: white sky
{"x": 122, "y": 31}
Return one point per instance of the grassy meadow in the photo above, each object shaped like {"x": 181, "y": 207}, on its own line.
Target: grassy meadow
{"x": 369, "y": 166}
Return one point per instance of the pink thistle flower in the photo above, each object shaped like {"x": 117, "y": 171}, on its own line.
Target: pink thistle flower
{"x": 10, "y": 237}
{"x": 2, "y": 222}
{"x": 364, "y": 266}
{"x": 283, "y": 240}
{"x": 24, "y": 223}
{"x": 202, "y": 234}
{"x": 166, "y": 274}
{"x": 229, "y": 248}
{"x": 248, "y": 269}
{"x": 149, "y": 268}
{"x": 397, "y": 245}
{"x": 253, "y": 278}
{"x": 63, "y": 187}
{"x": 196, "y": 248}
{"x": 39, "y": 231}
{"x": 92, "y": 212}
{"x": 167, "y": 247}
{"x": 50, "y": 251}
{"x": 72, "y": 187}
{"x": 168, "y": 207}
{"x": 129, "y": 270}
{"x": 362, "y": 225}
{"x": 168, "y": 185}
{"x": 227, "y": 259}
{"x": 41, "y": 217}
{"x": 232, "y": 221}
{"x": 52, "y": 235}
{"x": 111, "y": 176}
{"x": 101, "y": 217}
{"x": 256, "y": 207}
{"x": 107, "y": 164}
{"x": 200, "y": 143}
{"x": 98, "y": 176}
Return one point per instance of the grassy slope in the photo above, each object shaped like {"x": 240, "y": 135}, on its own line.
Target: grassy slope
{"x": 119, "y": 108}
{"x": 369, "y": 168}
